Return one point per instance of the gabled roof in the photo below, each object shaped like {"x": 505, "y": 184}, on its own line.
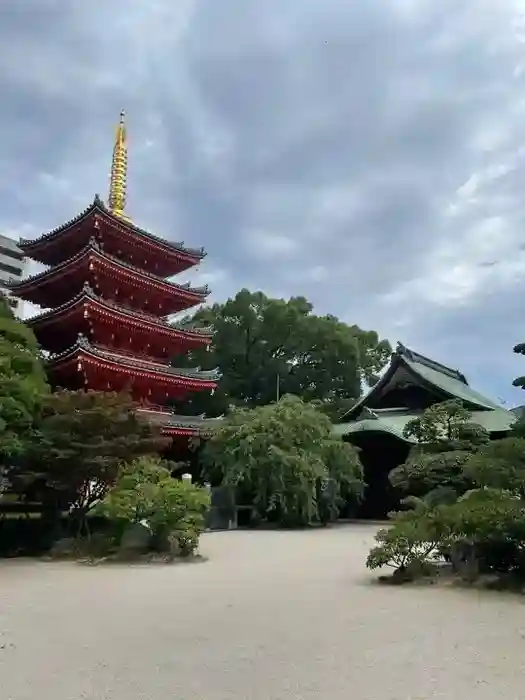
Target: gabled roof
{"x": 445, "y": 380}
{"x": 98, "y": 206}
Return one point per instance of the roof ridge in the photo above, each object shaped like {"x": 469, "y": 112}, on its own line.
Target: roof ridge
{"x": 413, "y": 356}
{"x": 99, "y": 204}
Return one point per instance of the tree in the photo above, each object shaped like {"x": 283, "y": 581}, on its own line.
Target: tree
{"x": 80, "y": 442}
{"x": 445, "y": 426}
{"x": 22, "y": 383}
{"x": 424, "y": 472}
{"x": 482, "y": 532}
{"x": 267, "y": 348}
{"x": 445, "y": 440}
{"x": 500, "y": 465}
{"x": 146, "y": 492}
{"x": 284, "y": 458}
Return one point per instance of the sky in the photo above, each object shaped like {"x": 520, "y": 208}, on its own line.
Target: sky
{"x": 367, "y": 155}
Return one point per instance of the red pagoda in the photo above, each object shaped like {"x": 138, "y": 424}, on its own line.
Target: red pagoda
{"x": 109, "y": 298}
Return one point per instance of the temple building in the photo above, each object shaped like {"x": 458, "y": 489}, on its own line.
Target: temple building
{"x": 376, "y": 423}
{"x": 106, "y": 297}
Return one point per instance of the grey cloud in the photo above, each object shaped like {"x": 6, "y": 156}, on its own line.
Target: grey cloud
{"x": 336, "y": 134}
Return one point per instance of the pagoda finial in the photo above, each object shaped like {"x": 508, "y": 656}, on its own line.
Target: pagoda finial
{"x": 119, "y": 171}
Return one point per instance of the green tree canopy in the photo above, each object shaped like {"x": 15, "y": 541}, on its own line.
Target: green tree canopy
{"x": 79, "y": 445}
{"x": 271, "y": 347}
{"x": 282, "y": 456}
{"x": 22, "y": 382}
{"x": 500, "y": 465}
{"x": 445, "y": 440}
{"x": 445, "y": 426}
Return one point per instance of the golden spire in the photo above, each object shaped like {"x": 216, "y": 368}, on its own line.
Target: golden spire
{"x": 119, "y": 171}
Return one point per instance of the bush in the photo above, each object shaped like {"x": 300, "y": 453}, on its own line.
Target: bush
{"x": 174, "y": 511}
{"x": 484, "y": 531}
{"x": 424, "y": 472}
{"x": 414, "y": 538}
{"x": 445, "y": 442}
{"x": 499, "y": 465}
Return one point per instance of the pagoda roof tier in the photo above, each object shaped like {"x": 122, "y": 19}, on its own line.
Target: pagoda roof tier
{"x": 173, "y": 424}
{"x": 110, "y": 278}
{"x": 104, "y": 369}
{"x": 99, "y": 318}
{"x": 119, "y": 236}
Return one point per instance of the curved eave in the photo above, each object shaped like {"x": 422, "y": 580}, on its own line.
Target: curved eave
{"x": 122, "y": 363}
{"x": 181, "y": 432}
{"x": 119, "y": 313}
{"x": 368, "y": 426}
{"x": 169, "y": 431}
{"x": 31, "y": 247}
{"x": 495, "y": 421}
{"x": 19, "y": 288}
{"x": 172, "y": 424}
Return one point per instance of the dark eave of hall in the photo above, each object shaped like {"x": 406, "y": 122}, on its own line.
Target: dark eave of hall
{"x": 98, "y": 206}
{"x": 87, "y": 293}
{"x": 167, "y": 419}
{"x": 94, "y": 247}
{"x": 137, "y": 363}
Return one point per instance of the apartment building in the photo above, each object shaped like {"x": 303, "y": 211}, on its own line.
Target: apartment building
{"x": 12, "y": 266}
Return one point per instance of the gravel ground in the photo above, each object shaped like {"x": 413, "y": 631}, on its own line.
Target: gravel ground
{"x": 270, "y": 616}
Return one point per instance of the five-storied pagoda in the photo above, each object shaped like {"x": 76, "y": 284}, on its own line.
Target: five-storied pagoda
{"x": 108, "y": 298}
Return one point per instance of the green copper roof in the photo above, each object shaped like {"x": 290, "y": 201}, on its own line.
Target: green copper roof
{"x": 443, "y": 381}
{"x": 394, "y": 422}
{"x": 446, "y": 380}
{"x": 449, "y": 384}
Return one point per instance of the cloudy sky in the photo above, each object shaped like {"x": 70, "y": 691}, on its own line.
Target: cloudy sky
{"x": 368, "y": 155}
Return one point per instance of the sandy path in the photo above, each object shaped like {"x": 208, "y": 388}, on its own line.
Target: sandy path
{"x": 270, "y": 616}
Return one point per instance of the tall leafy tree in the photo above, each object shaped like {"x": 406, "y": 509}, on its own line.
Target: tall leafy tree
{"x": 22, "y": 383}
{"x": 284, "y": 460}
{"x": 267, "y": 348}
